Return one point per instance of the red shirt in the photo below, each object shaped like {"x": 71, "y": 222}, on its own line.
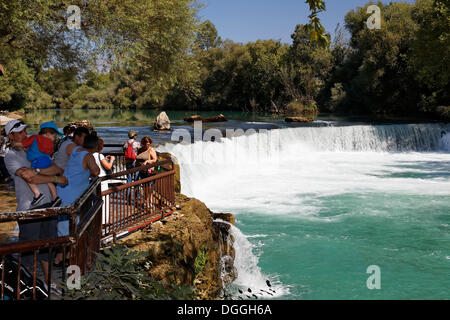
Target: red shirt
{"x": 45, "y": 145}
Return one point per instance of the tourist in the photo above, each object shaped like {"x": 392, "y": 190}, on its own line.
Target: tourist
{"x": 66, "y": 148}
{"x": 19, "y": 168}
{"x": 68, "y": 132}
{"x": 39, "y": 149}
{"x": 146, "y": 155}
{"x": 104, "y": 163}
{"x": 80, "y": 167}
{"x": 131, "y": 148}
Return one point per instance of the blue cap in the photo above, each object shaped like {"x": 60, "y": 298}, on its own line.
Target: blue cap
{"x": 51, "y": 125}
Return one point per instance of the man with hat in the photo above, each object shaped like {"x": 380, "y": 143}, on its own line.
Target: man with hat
{"x": 131, "y": 148}
{"x": 20, "y": 169}
{"x": 39, "y": 151}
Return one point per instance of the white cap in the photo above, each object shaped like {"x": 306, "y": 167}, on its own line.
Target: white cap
{"x": 14, "y": 126}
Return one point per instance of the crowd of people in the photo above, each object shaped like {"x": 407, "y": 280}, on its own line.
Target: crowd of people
{"x": 54, "y": 168}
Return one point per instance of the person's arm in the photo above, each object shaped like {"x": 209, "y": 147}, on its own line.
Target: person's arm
{"x": 52, "y": 170}
{"x": 92, "y": 165}
{"x": 15, "y": 168}
{"x": 31, "y": 176}
{"x": 107, "y": 164}
{"x": 70, "y": 148}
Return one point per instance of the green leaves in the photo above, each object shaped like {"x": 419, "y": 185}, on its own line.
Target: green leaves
{"x": 122, "y": 274}
{"x": 315, "y": 27}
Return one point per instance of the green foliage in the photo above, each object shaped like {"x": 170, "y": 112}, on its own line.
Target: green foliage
{"x": 297, "y": 108}
{"x": 400, "y": 69}
{"x": 315, "y": 28}
{"x": 309, "y": 64}
{"x": 158, "y": 53}
{"x": 207, "y": 36}
{"x": 122, "y": 274}
{"x": 431, "y": 48}
{"x": 15, "y": 85}
{"x": 200, "y": 261}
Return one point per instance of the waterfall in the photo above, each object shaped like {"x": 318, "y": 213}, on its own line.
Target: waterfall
{"x": 291, "y": 173}
{"x": 249, "y": 275}
{"x": 205, "y": 162}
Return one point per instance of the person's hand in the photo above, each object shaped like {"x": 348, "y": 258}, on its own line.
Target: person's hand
{"x": 62, "y": 180}
{"x": 111, "y": 158}
{"x": 26, "y": 173}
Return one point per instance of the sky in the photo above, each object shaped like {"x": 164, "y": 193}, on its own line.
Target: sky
{"x": 250, "y": 20}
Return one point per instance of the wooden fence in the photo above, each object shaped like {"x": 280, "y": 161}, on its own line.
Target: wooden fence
{"x": 110, "y": 206}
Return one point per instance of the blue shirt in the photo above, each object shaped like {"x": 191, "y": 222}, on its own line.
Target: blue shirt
{"x": 78, "y": 178}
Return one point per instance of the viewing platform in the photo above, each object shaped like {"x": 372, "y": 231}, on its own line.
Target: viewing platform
{"x": 108, "y": 210}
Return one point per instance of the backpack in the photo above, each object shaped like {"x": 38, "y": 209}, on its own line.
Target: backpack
{"x": 26, "y": 281}
{"x": 129, "y": 152}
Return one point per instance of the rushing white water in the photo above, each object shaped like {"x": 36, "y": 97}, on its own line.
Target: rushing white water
{"x": 249, "y": 274}
{"x": 286, "y": 173}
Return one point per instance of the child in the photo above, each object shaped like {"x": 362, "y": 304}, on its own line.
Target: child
{"x": 39, "y": 151}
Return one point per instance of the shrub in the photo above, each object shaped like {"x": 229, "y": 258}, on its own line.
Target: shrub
{"x": 443, "y": 112}
{"x": 121, "y": 273}
{"x": 200, "y": 261}
{"x": 297, "y": 108}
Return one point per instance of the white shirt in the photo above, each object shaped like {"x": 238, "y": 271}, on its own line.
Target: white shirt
{"x": 98, "y": 159}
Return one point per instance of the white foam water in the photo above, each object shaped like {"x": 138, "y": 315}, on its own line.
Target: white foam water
{"x": 249, "y": 275}
{"x": 285, "y": 172}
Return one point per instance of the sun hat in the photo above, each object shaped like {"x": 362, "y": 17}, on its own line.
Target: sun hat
{"x": 51, "y": 125}
{"x": 132, "y": 134}
{"x": 14, "y": 126}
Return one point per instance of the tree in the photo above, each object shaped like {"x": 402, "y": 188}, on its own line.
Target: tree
{"x": 315, "y": 28}
{"x": 207, "y": 36}
{"x": 152, "y": 36}
{"x": 430, "y": 57}
{"x": 307, "y": 65}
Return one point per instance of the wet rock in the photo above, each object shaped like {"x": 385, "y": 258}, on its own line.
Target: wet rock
{"x": 299, "y": 119}
{"x": 218, "y": 118}
{"x": 84, "y": 123}
{"x": 228, "y": 217}
{"x": 173, "y": 249}
{"x": 193, "y": 118}
{"x": 162, "y": 122}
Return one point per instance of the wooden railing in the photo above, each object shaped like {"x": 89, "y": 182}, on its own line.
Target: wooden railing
{"x": 121, "y": 207}
{"x": 125, "y": 206}
{"x": 78, "y": 248}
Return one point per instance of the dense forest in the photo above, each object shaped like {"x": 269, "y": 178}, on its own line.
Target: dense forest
{"x": 152, "y": 54}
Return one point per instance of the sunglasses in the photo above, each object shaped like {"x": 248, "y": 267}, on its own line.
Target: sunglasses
{"x": 17, "y": 125}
